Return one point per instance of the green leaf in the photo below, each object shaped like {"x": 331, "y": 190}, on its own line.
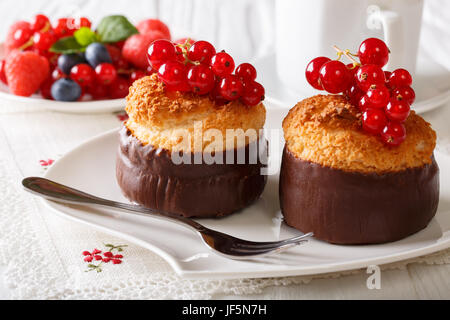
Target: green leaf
{"x": 115, "y": 28}
{"x": 85, "y": 36}
{"x": 67, "y": 45}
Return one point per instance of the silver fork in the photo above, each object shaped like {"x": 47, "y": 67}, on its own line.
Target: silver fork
{"x": 224, "y": 244}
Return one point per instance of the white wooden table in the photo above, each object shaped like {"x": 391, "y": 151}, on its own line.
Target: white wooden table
{"x": 416, "y": 281}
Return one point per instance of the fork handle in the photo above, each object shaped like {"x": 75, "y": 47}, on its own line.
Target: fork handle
{"x": 52, "y": 190}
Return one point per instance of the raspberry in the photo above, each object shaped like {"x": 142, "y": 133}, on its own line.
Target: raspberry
{"x": 18, "y": 34}
{"x": 25, "y": 72}
{"x": 135, "y": 48}
{"x": 149, "y": 25}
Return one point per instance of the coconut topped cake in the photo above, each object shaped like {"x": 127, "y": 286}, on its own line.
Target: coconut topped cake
{"x": 192, "y": 141}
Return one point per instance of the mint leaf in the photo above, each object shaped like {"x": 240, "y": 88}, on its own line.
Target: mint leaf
{"x": 115, "y": 28}
{"x": 67, "y": 45}
{"x": 85, "y": 36}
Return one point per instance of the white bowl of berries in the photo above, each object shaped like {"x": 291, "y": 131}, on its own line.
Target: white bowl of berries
{"x": 70, "y": 67}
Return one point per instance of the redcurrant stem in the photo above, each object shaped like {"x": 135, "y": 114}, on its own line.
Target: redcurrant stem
{"x": 184, "y": 49}
{"x": 46, "y": 27}
{"x": 347, "y": 54}
{"x": 27, "y": 44}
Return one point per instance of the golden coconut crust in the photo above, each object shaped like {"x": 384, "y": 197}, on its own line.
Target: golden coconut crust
{"x": 165, "y": 119}
{"x": 326, "y": 129}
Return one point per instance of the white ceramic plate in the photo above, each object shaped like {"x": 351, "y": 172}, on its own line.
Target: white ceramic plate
{"x": 98, "y": 106}
{"x": 431, "y": 83}
{"x": 91, "y": 168}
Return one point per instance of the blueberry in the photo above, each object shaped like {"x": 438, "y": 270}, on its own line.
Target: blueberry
{"x": 67, "y": 61}
{"x": 97, "y": 53}
{"x": 65, "y": 90}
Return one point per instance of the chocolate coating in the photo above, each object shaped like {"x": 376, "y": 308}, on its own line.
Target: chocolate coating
{"x": 148, "y": 176}
{"x": 354, "y": 208}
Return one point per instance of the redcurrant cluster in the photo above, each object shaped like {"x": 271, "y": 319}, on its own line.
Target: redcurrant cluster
{"x": 198, "y": 68}
{"x": 383, "y": 97}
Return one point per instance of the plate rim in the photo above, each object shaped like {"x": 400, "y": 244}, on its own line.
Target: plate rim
{"x": 175, "y": 264}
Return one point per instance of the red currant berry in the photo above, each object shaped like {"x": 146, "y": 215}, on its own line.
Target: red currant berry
{"x": 119, "y": 88}
{"x": 373, "y": 120}
{"x": 231, "y": 87}
{"x": 114, "y": 52}
{"x": 394, "y": 133}
{"x": 184, "y": 41}
{"x": 378, "y": 96}
{"x": 354, "y": 94}
{"x": 253, "y": 93}
{"x": 136, "y": 75}
{"x": 353, "y": 69}
{"x": 98, "y": 91}
{"x": 46, "y": 88}
{"x": 201, "y": 79}
{"x": 83, "y": 74}
{"x": 39, "y": 23}
{"x": 222, "y": 64}
{"x": 369, "y": 75}
{"x": 404, "y": 93}
{"x": 373, "y": 51}
{"x": 83, "y": 22}
{"x": 335, "y": 77}
{"x": 122, "y": 64}
{"x": 180, "y": 55}
{"x": 246, "y": 72}
{"x": 312, "y": 71}
{"x": 387, "y": 74}
{"x": 2, "y": 72}
{"x": 21, "y": 36}
{"x": 65, "y": 27}
{"x": 57, "y": 74}
{"x": 216, "y": 96}
{"x": 159, "y": 52}
{"x": 363, "y": 103}
{"x": 400, "y": 78}
{"x": 201, "y": 51}
{"x": 173, "y": 74}
{"x": 397, "y": 110}
{"x": 43, "y": 41}
{"x": 149, "y": 71}
{"x": 105, "y": 73}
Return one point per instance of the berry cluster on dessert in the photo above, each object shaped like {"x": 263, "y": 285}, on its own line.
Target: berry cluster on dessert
{"x": 197, "y": 67}
{"x": 383, "y": 97}
{"x": 349, "y": 172}
{"x": 71, "y": 61}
